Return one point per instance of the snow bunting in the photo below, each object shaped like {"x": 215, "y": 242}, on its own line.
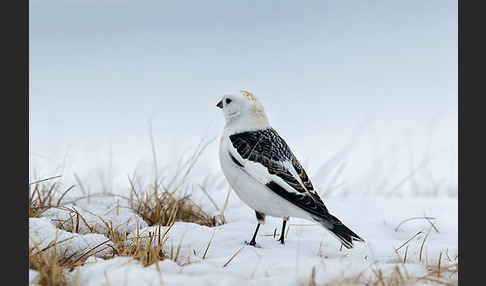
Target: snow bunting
{"x": 264, "y": 173}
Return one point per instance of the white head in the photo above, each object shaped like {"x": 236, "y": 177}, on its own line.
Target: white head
{"x": 243, "y": 111}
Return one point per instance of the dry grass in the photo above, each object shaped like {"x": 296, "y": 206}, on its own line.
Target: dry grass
{"x": 444, "y": 271}
{"x": 436, "y": 275}
{"x": 43, "y": 196}
{"x": 159, "y": 206}
{"x": 53, "y": 266}
{"x": 48, "y": 265}
{"x": 232, "y": 257}
{"x": 148, "y": 250}
{"x": 76, "y": 219}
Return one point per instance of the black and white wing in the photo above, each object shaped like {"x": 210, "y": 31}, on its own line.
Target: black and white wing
{"x": 266, "y": 148}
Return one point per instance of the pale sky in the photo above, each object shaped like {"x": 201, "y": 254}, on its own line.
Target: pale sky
{"x": 323, "y": 69}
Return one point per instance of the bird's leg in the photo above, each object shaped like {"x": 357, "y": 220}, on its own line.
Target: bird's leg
{"x": 253, "y": 241}
{"x": 282, "y": 234}
{"x": 261, "y": 219}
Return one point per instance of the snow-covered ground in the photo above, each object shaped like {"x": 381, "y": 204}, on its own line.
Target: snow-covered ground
{"x": 117, "y": 88}
{"x": 229, "y": 261}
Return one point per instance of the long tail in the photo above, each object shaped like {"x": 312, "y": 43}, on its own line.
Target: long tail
{"x": 339, "y": 230}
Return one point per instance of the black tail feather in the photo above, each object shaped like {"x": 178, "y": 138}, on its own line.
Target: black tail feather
{"x": 340, "y": 231}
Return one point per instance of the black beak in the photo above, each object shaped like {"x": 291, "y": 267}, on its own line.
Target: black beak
{"x": 220, "y": 104}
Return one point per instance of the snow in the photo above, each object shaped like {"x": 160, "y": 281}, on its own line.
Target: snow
{"x": 97, "y": 213}
{"x": 43, "y": 234}
{"x": 307, "y": 245}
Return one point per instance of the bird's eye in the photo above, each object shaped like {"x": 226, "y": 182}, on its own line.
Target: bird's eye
{"x": 228, "y": 101}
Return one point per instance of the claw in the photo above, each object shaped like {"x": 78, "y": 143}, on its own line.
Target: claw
{"x": 252, "y": 243}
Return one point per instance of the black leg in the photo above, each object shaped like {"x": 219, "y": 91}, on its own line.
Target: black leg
{"x": 282, "y": 234}
{"x": 253, "y": 241}
{"x": 261, "y": 219}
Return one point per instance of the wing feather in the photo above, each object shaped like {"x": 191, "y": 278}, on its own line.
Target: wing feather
{"x": 266, "y": 148}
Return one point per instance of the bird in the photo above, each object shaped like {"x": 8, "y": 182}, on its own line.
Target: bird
{"x": 265, "y": 174}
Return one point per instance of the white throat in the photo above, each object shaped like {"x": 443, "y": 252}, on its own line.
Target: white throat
{"x": 246, "y": 121}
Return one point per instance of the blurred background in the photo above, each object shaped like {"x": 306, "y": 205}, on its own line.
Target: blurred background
{"x": 364, "y": 92}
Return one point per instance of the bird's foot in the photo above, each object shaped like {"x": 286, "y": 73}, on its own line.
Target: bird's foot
{"x": 281, "y": 240}
{"x": 252, "y": 243}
